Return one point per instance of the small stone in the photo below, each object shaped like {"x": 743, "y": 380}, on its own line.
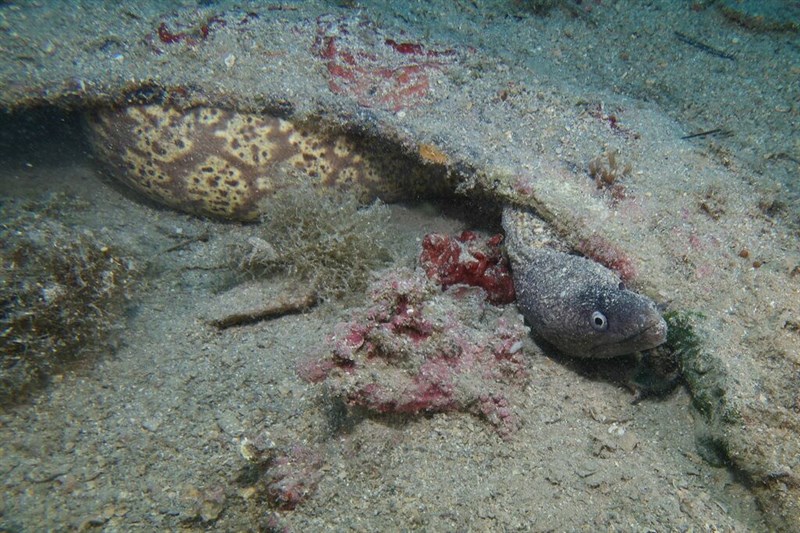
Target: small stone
{"x": 257, "y": 449}
{"x": 229, "y": 423}
{"x": 628, "y": 442}
{"x": 152, "y": 424}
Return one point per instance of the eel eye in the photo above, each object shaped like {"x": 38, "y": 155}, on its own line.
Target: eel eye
{"x": 599, "y": 321}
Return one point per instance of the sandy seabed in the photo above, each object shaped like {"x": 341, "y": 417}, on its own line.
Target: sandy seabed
{"x": 148, "y": 436}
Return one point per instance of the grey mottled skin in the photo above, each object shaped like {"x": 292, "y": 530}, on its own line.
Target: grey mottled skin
{"x": 577, "y": 305}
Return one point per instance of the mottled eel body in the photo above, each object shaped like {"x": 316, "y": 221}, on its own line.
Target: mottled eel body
{"x": 580, "y": 307}
{"x": 222, "y": 163}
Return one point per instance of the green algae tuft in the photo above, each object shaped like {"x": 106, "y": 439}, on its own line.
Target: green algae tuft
{"x": 324, "y": 238}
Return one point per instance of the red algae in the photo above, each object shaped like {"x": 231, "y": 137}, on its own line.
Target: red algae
{"x": 468, "y": 260}
{"x": 390, "y": 75}
{"x": 191, "y": 37}
{"x": 418, "y": 348}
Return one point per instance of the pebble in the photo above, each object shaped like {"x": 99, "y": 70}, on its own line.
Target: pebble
{"x": 229, "y": 423}
{"x": 152, "y": 424}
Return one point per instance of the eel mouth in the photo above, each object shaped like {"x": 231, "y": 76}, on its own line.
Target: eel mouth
{"x": 651, "y": 336}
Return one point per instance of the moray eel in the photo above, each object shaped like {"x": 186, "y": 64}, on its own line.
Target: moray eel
{"x": 578, "y": 306}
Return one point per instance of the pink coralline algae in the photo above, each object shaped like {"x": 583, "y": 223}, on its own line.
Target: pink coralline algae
{"x": 417, "y": 349}
{"x": 609, "y": 255}
{"x": 469, "y": 260}
{"x": 377, "y": 71}
{"x": 287, "y": 475}
{"x": 293, "y": 477}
